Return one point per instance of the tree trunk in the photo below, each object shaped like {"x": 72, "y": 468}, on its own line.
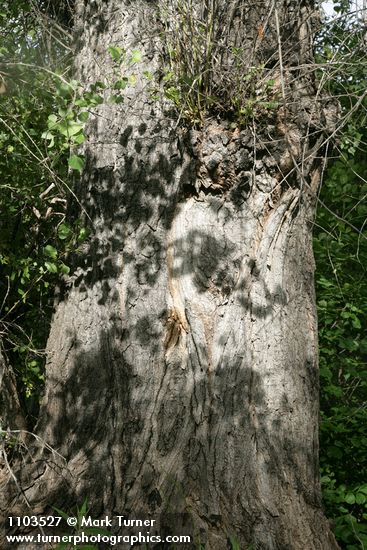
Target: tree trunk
{"x": 182, "y": 378}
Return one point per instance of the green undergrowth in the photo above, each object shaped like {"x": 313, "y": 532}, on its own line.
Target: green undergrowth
{"x": 341, "y": 255}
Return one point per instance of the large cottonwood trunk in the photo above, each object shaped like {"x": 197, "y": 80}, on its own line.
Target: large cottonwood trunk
{"x": 182, "y": 378}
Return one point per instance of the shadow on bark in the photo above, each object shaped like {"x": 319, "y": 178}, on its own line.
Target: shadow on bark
{"x": 194, "y": 443}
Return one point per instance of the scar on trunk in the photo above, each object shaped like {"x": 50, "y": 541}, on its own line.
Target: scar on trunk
{"x": 174, "y": 329}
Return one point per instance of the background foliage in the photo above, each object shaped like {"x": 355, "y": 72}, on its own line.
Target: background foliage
{"x": 34, "y": 238}
{"x": 42, "y": 113}
{"x": 341, "y": 283}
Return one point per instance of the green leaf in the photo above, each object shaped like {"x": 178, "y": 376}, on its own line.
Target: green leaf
{"x": 121, "y": 84}
{"x": 65, "y": 89}
{"x": 133, "y": 79}
{"x": 98, "y": 85}
{"x": 47, "y": 135}
{"x": 83, "y": 116}
{"x": 356, "y": 323}
{"x": 89, "y": 99}
{"x": 79, "y": 138}
{"x": 76, "y": 163}
{"x": 63, "y": 514}
{"x": 360, "y": 498}
{"x": 52, "y": 120}
{"x": 70, "y": 128}
{"x": 63, "y": 231}
{"x": 350, "y": 498}
{"x": 51, "y": 267}
{"x": 116, "y": 99}
{"x": 83, "y": 509}
{"x": 168, "y": 76}
{"x": 83, "y": 234}
{"x": 116, "y": 52}
{"x": 50, "y": 251}
{"x": 136, "y": 57}
{"x": 64, "y": 268}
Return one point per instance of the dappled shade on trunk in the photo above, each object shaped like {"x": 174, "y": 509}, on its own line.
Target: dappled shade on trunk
{"x": 182, "y": 361}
